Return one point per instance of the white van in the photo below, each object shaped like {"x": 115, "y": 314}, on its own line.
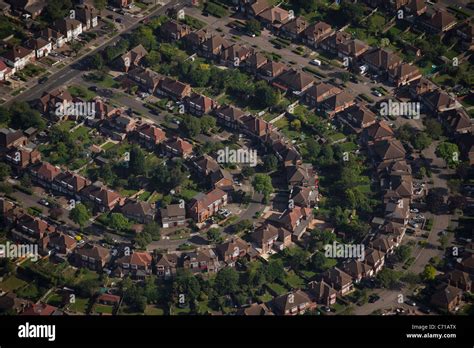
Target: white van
{"x": 316, "y": 62}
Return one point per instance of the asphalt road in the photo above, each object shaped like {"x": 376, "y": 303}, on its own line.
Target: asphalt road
{"x": 73, "y": 70}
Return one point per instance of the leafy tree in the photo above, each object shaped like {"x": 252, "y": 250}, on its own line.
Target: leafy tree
{"x": 144, "y": 36}
{"x": 214, "y": 235}
{"x": 100, "y": 4}
{"x": 403, "y": 253}
{"x": 117, "y": 221}
{"x": 253, "y": 26}
{"x": 449, "y": 152}
{"x": 319, "y": 262}
{"x": 207, "y": 123}
{"x": 265, "y": 95}
{"x": 227, "y": 281}
{"x": 4, "y": 171}
{"x": 263, "y": 184}
{"x": 247, "y": 171}
{"x": 275, "y": 271}
{"x": 192, "y": 126}
{"x": 136, "y": 164}
{"x": 435, "y": 128}
{"x": 388, "y": 278}
{"x": 429, "y": 273}
{"x": 296, "y": 125}
{"x": 97, "y": 62}
{"x": 153, "y": 229}
{"x": 443, "y": 241}
{"x": 186, "y": 283}
{"x": 434, "y": 200}
{"x": 457, "y": 202}
{"x": 421, "y": 141}
{"x": 23, "y": 117}
{"x": 80, "y": 214}
{"x": 270, "y": 163}
{"x": 297, "y": 258}
{"x": 5, "y": 115}
{"x": 57, "y": 9}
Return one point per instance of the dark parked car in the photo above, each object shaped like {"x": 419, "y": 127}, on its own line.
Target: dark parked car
{"x": 43, "y": 80}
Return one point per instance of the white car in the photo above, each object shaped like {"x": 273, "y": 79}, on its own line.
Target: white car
{"x": 316, "y": 62}
{"x": 414, "y": 210}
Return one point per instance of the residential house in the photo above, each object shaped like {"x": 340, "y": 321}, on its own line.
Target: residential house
{"x": 174, "y": 89}
{"x": 439, "y": 101}
{"x": 305, "y": 197}
{"x": 229, "y": 116}
{"x": 358, "y": 117}
{"x": 174, "y": 31}
{"x": 44, "y": 173}
{"x": 173, "y": 215}
{"x": 255, "y": 61}
{"x": 51, "y": 102}
{"x": 384, "y": 244}
{"x": 332, "y": 42}
{"x": 293, "y": 303}
{"x": 316, "y": 94}
{"x": 56, "y": 38}
{"x": 301, "y": 175}
{"x": 92, "y": 256}
{"x": 358, "y": 270}
{"x": 378, "y": 131}
{"x": 199, "y": 104}
{"x": 294, "y": 28}
{"x": 387, "y": 150}
{"x": 268, "y": 237}
{"x": 459, "y": 279}
{"x": 296, "y": 220}
{"x": 380, "y": 60}
{"x": 235, "y": 55}
{"x": 229, "y": 252}
{"x": 214, "y": 46}
{"x": 101, "y": 196}
{"x": 205, "y": 165}
{"x": 456, "y": 121}
{"x": 166, "y": 265}
{"x": 404, "y": 74}
{"x": 254, "y": 8}
{"x": 132, "y": 58}
{"x": 274, "y": 18}
{"x": 419, "y": 87}
{"x": 201, "y": 260}
{"x": 398, "y": 211}
{"x": 315, "y": 33}
{"x": 5, "y": 71}
{"x": 40, "y": 46}
{"x": 293, "y": 81}
{"x": 32, "y": 8}
{"x": 271, "y": 70}
{"x": 177, "y": 147}
{"x": 62, "y": 243}
{"x": 136, "y": 264}
{"x": 439, "y": 22}
{"x": 139, "y": 211}
{"x": 149, "y": 135}
{"x": 255, "y": 309}
{"x": 11, "y": 138}
{"x": 146, "y": 78}
{"x": 88, "y": 16}
{"x": 69, "y": 184}
{"x": 416, "y": 7}
{"x": 31, "y": 229}
{"x": 70, "y": 28}
{"x": 338, "y": 103}
{"x": 41, "y": 309}
{"x": 195, "y": 39}
{"x": 375, "y": 259}
{"x": 205, "y": 205}
{"x": 18, "y": 57}
{"x": 466, "y": 33}
{"x": 22, "y": 157}
{"x": 322, "y": 293}
{"x": 351, "y": 50}
{"x": 447, "y": 298}
{"x": 338, "y": 280}
{"x": 222, "y": 179}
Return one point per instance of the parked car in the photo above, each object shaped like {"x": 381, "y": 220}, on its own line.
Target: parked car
{"x": 43, "y": 80}
{"x": 414, "y": 210}
{"x": 374, "y": 298}
{"x": 44, "y": 202}
{"x": 410, "y": 303}
{"x": 377, "y": 93}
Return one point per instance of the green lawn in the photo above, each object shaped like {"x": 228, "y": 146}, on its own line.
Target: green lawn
{"x": 100, "y": 308}
{"x": 12, "y": 283}
{"x": 154, "y": 310}
{"x": 277, "y": 288}
{"x": 294, "y": 280}
{"x": 55, "y": 299}
{"x": 80, "y": 305}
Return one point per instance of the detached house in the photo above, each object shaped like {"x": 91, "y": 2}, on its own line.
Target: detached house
{"x": 229, "y": 252}
{"x": 214, "y": 46}
{"x": 204, "y": 205}
{"x": 137, "y": 265}
{"x": 274, "y": 17}
{"x": 166, "y": 265}
{"x": 296, "y": 221}
{"x": 92, "y": 256}
{"x": 268, "y": 236}
{"x": 139, "y": 211}
{"x": 293, "y": 81}
{"x": 447, "y": 298}
{"x": 202, "y": 260}
{"x": 293, "y": 303}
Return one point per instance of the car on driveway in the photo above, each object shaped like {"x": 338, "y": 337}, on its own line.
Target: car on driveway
{"x": 410, "y": 303}
{"x": 374, "y": 298}
{"x": 414, "y": 210}
{"x": 44, "y": 202}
